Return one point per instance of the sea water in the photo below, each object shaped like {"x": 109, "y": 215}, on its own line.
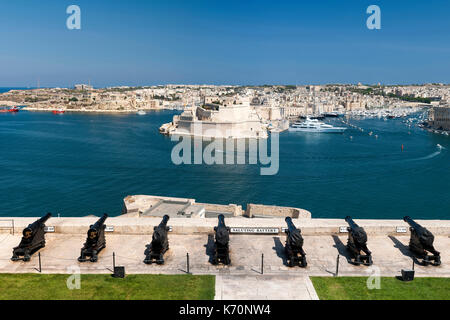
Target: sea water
{"x": 81, "y": 164}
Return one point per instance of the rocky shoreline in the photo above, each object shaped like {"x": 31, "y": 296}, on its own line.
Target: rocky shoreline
{"x": 33, "y": 109}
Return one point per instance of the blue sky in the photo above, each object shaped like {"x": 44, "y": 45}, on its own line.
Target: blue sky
{"x": 146, "y": 42}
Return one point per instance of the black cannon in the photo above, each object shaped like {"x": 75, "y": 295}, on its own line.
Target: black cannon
{"x": 160, "y": 243}
{"x": 95, "y": 241}
{"x": 422, "y": 241}
{"x": 221, "y": 244}
{"x": 296, "y": 256}
{"x": 357, "y": 242}
{"x": 33, "y": 239}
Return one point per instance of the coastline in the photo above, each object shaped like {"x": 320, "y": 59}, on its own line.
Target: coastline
{"x": 32, "y": 109}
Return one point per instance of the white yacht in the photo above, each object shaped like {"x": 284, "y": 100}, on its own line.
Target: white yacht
{"x": 314, "y": 125}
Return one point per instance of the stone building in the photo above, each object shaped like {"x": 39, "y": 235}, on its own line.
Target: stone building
{"x": 440, "y": 118}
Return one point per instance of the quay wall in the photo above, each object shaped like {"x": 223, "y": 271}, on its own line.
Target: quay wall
{"x": 188, "y": 226}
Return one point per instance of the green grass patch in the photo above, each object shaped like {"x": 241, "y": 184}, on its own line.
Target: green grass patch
{"x": 355, "y": 288}
{"x": 105, "y": 287}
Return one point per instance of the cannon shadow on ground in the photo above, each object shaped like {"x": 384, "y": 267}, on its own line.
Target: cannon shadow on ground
{"x": 209, "y": 248}
{"x": 404, "y": 249}
{"x": 280, "y": 250}
{"x": 342, "y": 249}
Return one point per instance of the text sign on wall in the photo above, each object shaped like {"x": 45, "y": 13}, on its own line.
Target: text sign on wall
{"x": 402, "y": 229}
{"x": 109, "y": 229}
{"x": 49, "y": 229}
{"x": 255, "y": 230}
{"x": 343, "y": 229}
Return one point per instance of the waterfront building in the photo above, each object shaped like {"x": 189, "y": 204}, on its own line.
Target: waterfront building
{"x": 217, "y": 121}
{"x": 440, "y": 118}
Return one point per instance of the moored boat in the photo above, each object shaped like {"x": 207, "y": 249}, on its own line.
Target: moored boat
{"x": 14, "y": 109}
{"x": 313, "y": 125}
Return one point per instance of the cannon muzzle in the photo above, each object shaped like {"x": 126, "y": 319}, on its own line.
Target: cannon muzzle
{"x": 351, "y": 223}
{"x": 221, "y": 218}
{"x": 45, "y": 218}
{"x": 412, "y": 223}
{"x": 164, "y": 221}
{"x": 100, "y": 222}
{"x": 290, "y": 224}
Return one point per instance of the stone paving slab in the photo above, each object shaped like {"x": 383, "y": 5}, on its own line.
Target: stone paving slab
{"x": 261, "y": 287}
{"x": 390, "y": 255}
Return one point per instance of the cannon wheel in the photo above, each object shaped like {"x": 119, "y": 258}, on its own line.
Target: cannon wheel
{"x": 291, "y": 262}
{"x": 227, "y": 260}
{"x": 160, "y": 260}
{"x": 303, "y": 262}
{"x": 94, "y": 257}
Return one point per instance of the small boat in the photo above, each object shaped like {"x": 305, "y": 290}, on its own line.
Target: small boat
{"x": 59, "y": 111}
{"x": 141, "y": 113}
{"x": 13, "y": 109}
{"x": 331, "y": 114}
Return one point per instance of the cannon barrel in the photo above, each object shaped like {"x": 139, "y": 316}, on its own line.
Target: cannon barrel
{"x": 98, "y": 225}
{"x": 32, "y": 227}
{"x": 40, "y": 221}
{"x": 45, "y": 218}
{"x": 290, "y": 224}
{"x": 221, "y": 220}
{"x": 412, "y": 223}
{"x": 351, "y": 223}
{"x": 164, "y": 221}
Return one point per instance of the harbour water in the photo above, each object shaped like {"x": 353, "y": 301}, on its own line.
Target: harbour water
{"x": 81, "y": 164}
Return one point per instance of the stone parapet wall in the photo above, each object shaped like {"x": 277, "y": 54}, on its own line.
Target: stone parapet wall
{"x": 189, "y": 226}
{"x": 259, "y": 210}
{"x": 234, "y": 209}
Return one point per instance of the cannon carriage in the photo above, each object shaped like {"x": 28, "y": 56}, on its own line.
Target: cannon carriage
{"x": 296, "y": 256}
{"x": 357, "y": 243}
{"x": 421, "y": 243}
{"x": 160, "y": 243}
{"x": 33, "y": 239}
{"x": 221, "y": 244}
{"x": 95, "y": 241}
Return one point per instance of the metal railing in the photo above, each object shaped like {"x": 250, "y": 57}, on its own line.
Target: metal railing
{"x": 10, "y": 227}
